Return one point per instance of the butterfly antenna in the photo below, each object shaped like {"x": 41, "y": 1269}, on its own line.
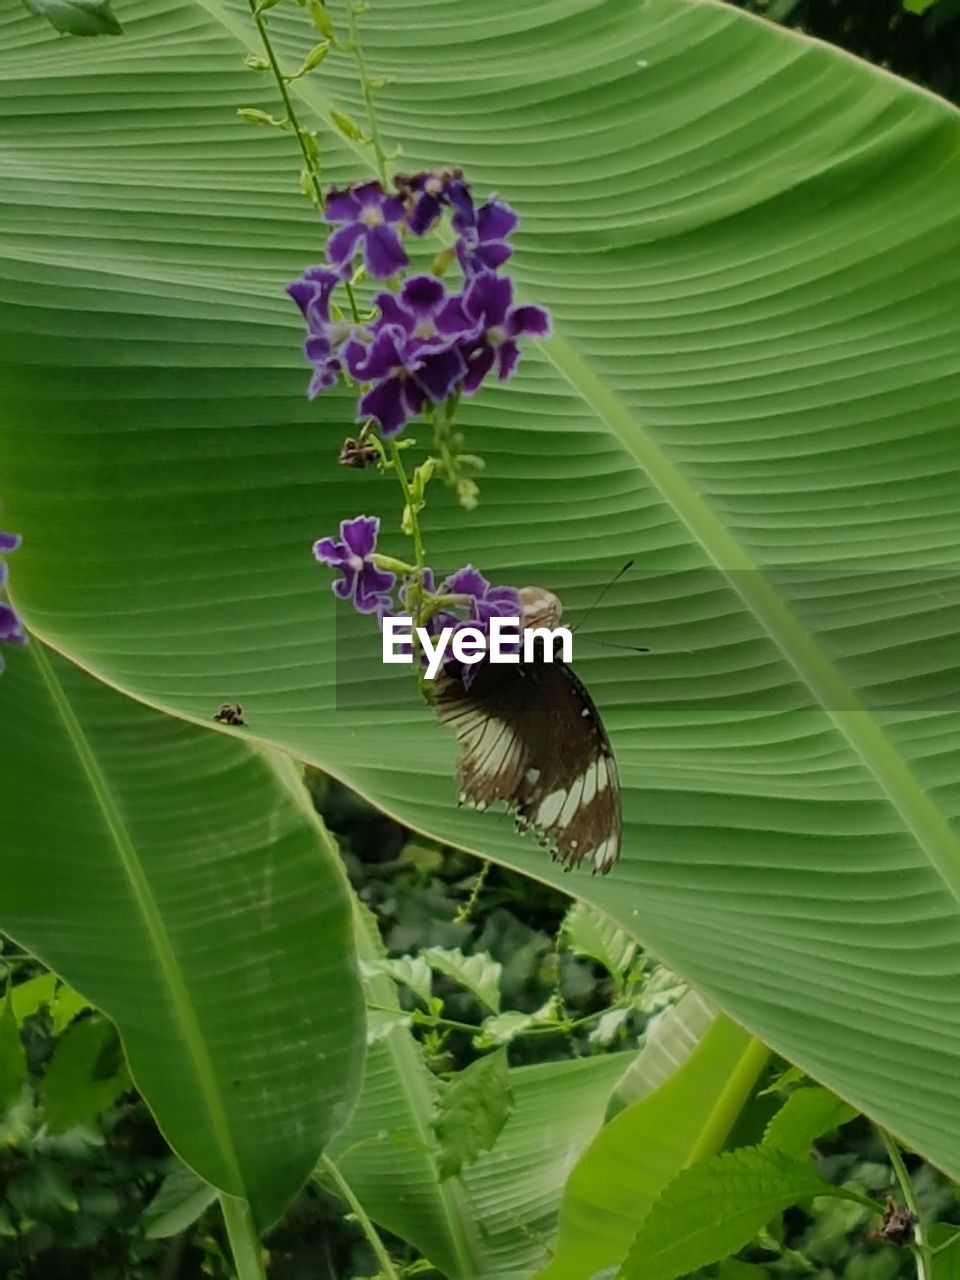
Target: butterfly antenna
{"x": 625, "y": 648}
{"x": 613, "y": 581}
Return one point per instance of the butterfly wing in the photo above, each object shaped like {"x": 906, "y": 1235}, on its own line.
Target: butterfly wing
{"x": 531, "y": 736}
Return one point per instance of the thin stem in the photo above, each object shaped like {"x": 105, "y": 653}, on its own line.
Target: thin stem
{"x": 466, "y": 911}
{"x": 244, "y": 1241}
{"x": 921, "y": 1245}
{"x": 309, "y": 157}
{"x": 367, "y": 95}
{"x": 309, "y": 162}
{"x": 387, "y": 1268}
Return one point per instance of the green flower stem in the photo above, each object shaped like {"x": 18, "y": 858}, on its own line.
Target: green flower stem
{"x": 367, "y": 95}
{"x": 387, "y": 1269}
{"x": 309, "y": 159}
{"x": 244, "y": 1241}
{"x": 396, "y": 458}
{"x": 921, "y": 1245}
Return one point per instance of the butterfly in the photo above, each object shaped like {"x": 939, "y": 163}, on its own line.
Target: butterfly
{"x": 531, "y": 736}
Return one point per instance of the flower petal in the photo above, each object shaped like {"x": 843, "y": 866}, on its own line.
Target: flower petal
{"x": 10, "y": 626}
{"x": 479, "y": 364}
{"x": 369, "y": 195}
{"x": 360, "y": 534}
{"x": 423, "y": 294}
{"x": 464, "y": 213}
{"x": 386, "y": 403}
{"x": 467, "y": 581}
{"x": 528, "y": 320}
{"x": 508, "y": 356}
{"x": 425, "y": 212}
{"x": 496, "y": 220}
{"x": 330, "y": 552}
{"x": 9, "y": 541}
{"x": 439, "y": 373}
{"x": 341, "y": 206}
{"x": 374, "y": 582}
{"x": 488, "y": 298}
{"x": 342, "y": 245}
{"x": 391, "y": 312}
{"x": 492, "y": 254}
{"x": 382, "y": 252}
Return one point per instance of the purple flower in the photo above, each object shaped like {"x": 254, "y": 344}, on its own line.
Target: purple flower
{"x": 368, "y": 217}
{"x": 426, "y": 194}
{"x": 485, "y": 602}
{"x": 11, "y": 629}
{"x": 487, "y": 306}
{"x": 312, "y": 293}
{"x": 481, "y": 233}
{"x": 362, "y": 582}
{"x": 415, "y": 354}
{"x": 395, "y": 397}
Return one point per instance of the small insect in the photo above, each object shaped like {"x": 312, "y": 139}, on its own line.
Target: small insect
{"x": 898, "y": 1224}
{"x": 230, "y": 713}
{"x": 531, "y": 736}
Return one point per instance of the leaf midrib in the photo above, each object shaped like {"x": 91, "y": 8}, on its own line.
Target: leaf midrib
{"x": 184, "y": 1012}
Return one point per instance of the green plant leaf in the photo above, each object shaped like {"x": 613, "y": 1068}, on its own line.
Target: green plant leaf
{"x": 219, "y": 913}
{"x": 77, "y": 17}
{"x": 479, "y": 973}
{"x": 806, "y": 1116}
{"x": 668, "y": 1042}
{"x": 591, "y": 933}
{"x": 751, "y": 390}
{"x": 685, "y": 1120}
{"x": 412, "y": 971}
{"x": 180, "y": 1200}
{"x": 918, "y": 6}
{"x": 715, "y": 1208}
{"x": 471, "y": 1111}
{"x": 13, "y": 1058}
{"x": 86, "y": 1074}
{"x": 28, "y": 997}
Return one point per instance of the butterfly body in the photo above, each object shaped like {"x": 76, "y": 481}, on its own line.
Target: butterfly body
{"x": 531, "y": 736}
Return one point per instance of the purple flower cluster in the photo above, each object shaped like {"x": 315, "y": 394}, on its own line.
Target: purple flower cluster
{"x": 11, "y": 629}
{"x": 371, "y": 589}
{"x": 424, "y": 343}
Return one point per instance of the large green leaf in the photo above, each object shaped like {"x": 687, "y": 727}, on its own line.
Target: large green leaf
{"x": 178, "y": 880}
{"x": 748, "y": 241}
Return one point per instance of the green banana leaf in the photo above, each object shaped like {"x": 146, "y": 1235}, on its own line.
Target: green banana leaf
{"x": 632, "y": 1159}
{"x": 178, "y": 879}
{"x": 748, "y": 242}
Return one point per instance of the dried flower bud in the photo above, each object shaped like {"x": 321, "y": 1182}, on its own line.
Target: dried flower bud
{"x": 541, "y": 608}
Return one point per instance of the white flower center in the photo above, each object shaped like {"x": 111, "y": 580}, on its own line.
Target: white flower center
{"x": 425, "y": 328}
{"x": 371, "y": 217}
{"x": 355, "y": 562}
{"x": 496, "y": 335}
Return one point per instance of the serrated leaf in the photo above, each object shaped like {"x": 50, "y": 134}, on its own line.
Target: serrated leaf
{"x": 472, "y": 1109}
{"x": 380, "y": 1022}
{"x": 13, "y": 1058}
{"x": 589, "y": 932}
{"x": 713, "y": 1209}
{"x": 806, "y": 1115}
{"x": 77, "y": 17}
{"x": 179, "y": 1201}
{"x": 86, "y": 1074}
{"x": 479, "y": 973}
{"x": 412, "y": 971}
{"x": 501, "y": 1028}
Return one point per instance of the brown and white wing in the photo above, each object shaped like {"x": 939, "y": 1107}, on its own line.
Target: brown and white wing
{"x": 531, "y": 737}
